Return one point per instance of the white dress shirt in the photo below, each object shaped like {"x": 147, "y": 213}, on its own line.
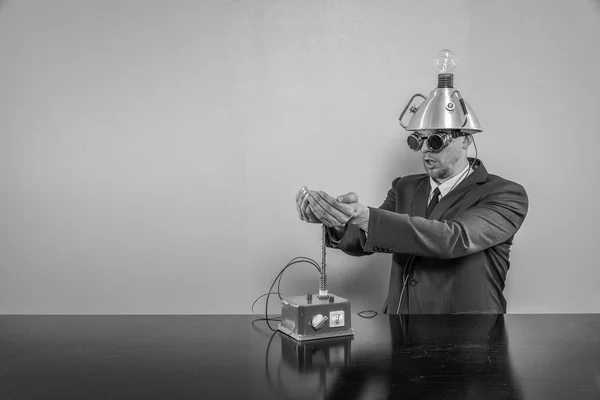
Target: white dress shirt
{"x": 450, "y": 184}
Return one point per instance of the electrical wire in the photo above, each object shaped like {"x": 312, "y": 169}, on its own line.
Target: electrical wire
{"x": 308, "y": 260}
{"x": 407, "y": 268}
{"x": 374, "y": 314}
{"x": 259, "y": 317}
{"x": 296, "y": 260}
{"x": 468, "y": 170}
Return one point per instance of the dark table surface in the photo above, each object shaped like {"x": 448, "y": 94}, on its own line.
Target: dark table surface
{"x": 485, "y": 357}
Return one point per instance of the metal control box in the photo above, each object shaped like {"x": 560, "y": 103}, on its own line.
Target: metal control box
{"x": 310, "y": 317}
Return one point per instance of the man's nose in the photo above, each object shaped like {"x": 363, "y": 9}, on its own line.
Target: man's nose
{"x": 425, "y": 148}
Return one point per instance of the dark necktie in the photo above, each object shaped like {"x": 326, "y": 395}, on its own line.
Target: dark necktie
{"x": 433, "y": 202}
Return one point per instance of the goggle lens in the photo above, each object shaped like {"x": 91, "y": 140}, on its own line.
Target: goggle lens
{"x": 435, "y": 142}
{"x": 414, "y": 143}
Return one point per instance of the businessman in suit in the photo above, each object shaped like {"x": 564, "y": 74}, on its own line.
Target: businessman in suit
{"x": 449, "y": 230}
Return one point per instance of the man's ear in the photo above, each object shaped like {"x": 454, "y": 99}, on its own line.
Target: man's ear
{"x": 467, "y": 140}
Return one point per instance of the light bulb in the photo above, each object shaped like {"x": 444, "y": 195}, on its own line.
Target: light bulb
{"x": 444, "y": 62}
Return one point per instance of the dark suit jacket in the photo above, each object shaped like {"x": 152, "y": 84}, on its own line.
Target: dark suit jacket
{"x": 457, "y": 260}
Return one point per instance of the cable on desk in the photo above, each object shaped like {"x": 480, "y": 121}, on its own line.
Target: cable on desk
{"x": 372, "y": 314}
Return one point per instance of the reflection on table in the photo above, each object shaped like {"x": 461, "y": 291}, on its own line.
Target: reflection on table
{"x": 230, "y": 357}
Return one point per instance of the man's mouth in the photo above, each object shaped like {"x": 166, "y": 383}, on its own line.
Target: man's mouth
{"x": 429, "y": 162}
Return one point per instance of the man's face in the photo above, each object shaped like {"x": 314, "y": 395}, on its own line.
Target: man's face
{"x": 444, "y": 164}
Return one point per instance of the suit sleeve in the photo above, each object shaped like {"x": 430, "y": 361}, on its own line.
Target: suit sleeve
{"x": 354, "y": 238}
{"x": 494, "y": 220}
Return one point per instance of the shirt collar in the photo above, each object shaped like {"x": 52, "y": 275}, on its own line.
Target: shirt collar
{"x": 451, "y": 183}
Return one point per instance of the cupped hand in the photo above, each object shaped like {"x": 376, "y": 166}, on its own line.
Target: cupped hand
{"x": 303, "y": 208}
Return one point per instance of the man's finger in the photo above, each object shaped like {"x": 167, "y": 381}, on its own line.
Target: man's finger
{"x": 345, "y": 209}
{"x": 348, "y": 198}
{"x": 301, "y": 193}
{"x": 298, "y": 204}
{"x": 341, "y": 212}
{"x": 301, "y": 203}
{"x": 323, "y": 217}
{"x": 312, "y": 217}
{"x": 304, "y": 205}
{"x": 325, "y": 211}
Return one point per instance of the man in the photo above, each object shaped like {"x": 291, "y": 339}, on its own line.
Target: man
{"x": 450, "y": 230}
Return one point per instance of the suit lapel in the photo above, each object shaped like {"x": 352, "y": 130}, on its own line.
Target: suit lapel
{"x": 478, "y": 176}
{"x": 419, "y": 204}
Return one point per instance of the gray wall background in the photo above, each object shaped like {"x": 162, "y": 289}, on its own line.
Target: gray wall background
{"x": 150, "y": 151}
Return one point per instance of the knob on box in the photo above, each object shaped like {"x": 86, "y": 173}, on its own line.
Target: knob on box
{"x": 318, "y": 321}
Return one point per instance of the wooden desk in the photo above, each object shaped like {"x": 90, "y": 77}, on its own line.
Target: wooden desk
{"x": 205, "y": 357}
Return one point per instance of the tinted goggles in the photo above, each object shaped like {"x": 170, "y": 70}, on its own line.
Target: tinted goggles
{"x": 437, "y": 141}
